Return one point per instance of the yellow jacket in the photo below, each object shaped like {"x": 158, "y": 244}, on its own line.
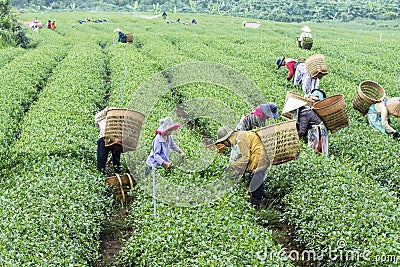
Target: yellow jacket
{"x": 253, "y": 157}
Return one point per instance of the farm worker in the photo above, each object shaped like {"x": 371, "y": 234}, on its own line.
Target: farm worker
{"x": 100, "y": 120}
{"x": 379, "y": 113}
{"x": 306, "y": 33}
{"x": 162, "y": 144}
{"x": 251, "y": 159}
{"x": 308, "y": 124}
{"x": 164, "y": 15}
{"x": 258, "y": 117}
{"x": 316, "y": 95}
{"x": 121, "y": 35}
{"x": 49, "y": 24}
{"x": 302, "y": 75}
{"x": 53, "y": 25}
{"x": 290, "y": 64}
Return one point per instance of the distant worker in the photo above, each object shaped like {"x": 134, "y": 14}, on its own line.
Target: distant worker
{"x": 258, "y": 117}
{"x": 49, "y": 24}
{"x": 164, "y": 15}
{"x": 290, "y": 64}
{"x": 121, "y": 35}
{"x": 53, "y": 25}
{"x": 302, "y": 75}
{"x": 194, "y": 21}
{"x": 100, "y": 120}
{"x": 162, "y": 144}
{"x": 305, "y": 36}
{"x": 252, "y": 159}
{"x": 309, "y": 124}
{"x": 378, "y": 115}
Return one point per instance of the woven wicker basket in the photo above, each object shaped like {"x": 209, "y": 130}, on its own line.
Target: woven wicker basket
{"x": 123, "y": 128}
{"x": 393, "y": 106}
{"x": 129, "y": 38}
{"x": 281, "y": 141}
{"x": 332, "y": 110}
{"x": 368, "y": 93}
{"x": 306, "y": 45}
{"x": 121, "y": 185}
{"x": 316, "y": 66}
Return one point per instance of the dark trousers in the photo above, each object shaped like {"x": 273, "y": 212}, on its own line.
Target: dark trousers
{"x": 257, "y": 185}
{"x": 102, "y": 154}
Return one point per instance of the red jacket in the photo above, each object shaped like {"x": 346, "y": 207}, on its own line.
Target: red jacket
{"x": 291, "y": 65}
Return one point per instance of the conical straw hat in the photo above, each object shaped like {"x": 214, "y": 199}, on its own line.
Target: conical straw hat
{"x": 393, "y": 106}
{"x": 306, "y": 29}
{"x": 292, "y": 104}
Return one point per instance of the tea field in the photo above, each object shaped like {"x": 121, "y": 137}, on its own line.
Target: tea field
{"x": 343, "y": 209}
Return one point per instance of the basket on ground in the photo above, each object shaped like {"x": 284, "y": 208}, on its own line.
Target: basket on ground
{"x": 368, "y": 93}
{"x": 129, "y": 38}
{"x": 332, "y": 110}
{"x": 123, "y": 128}
{"x": 281, "y": 141}
{"x": 316, "y": 66}
{"x": 121, "y": 185}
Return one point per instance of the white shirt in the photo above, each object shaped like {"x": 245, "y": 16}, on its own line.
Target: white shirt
{"x": 303, "y": 75}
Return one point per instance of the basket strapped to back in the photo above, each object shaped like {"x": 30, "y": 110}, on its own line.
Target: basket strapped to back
{"x": 280, "y": 141}
{"x": 316, "y": 66}
{"x": 129, "y": 38}
{"x": 123, "y": 127}
{"x": 368, "y": 93}
{"x": 332, "y": 110}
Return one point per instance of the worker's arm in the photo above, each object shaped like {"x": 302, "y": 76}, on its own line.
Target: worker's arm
{"x": 385, "y": 122}
{"x": 174, "y": 146}
{"x": 303, "y": 123}
{"x": 243, "y": 143}
{"x": 291, "y": 67}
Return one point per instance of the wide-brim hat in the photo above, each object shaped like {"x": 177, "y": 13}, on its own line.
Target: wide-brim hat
{"x": 306, "y": 29}
{"x": 223, "y": 133}
{"x": 117, "y": 30}
{"x": 393, "y": 106}
{"x": 270, "y": 109}
{"x": 292, "y": 104}
{"x": 167, "y": 124}
{"x": 279, "y": 62}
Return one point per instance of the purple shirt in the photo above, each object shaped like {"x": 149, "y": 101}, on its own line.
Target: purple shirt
{"x": 160, "y": 150}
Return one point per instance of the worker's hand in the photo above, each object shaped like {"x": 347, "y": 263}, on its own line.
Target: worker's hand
{"x": 227, "y": 167}
{"x": 183, "y": 155}
{"x": 396, "y": 135}
{"x": 167, "y": 164}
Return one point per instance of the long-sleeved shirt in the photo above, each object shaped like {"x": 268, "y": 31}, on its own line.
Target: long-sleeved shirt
{"x": 100, "y": 121}
{"x": 291, "y": 66}
{"x": 252, "y": 154}
{"x": 302, "y": 75}
{"x": 307, "y": 118}
{"x": 381, "y": 109}
{"x": 160, "y": 150}
{"x": 251, "y": 122}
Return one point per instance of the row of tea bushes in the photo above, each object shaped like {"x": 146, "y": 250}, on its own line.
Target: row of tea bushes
{"x": 53, "y": 203}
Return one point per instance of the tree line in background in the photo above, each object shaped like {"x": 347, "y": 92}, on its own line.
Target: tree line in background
{"x": 278, "y": 10}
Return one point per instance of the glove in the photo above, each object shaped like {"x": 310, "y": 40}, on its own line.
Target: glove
{"x": 396, "y": 135}
{"x": 227, "y": 167}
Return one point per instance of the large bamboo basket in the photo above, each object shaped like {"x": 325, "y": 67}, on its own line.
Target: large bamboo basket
{"x": 316, "y": 66}
{"x": 123, "y": 127}
{"x": 129, "y": 38}
{"x": 280, "y": 141}
{"x": 332, "y": 110}
{"x": 368, "y": 93}
{"x": 121, "y": 185}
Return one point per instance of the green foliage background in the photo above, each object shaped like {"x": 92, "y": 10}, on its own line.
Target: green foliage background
{"x": 278, "y": 10}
